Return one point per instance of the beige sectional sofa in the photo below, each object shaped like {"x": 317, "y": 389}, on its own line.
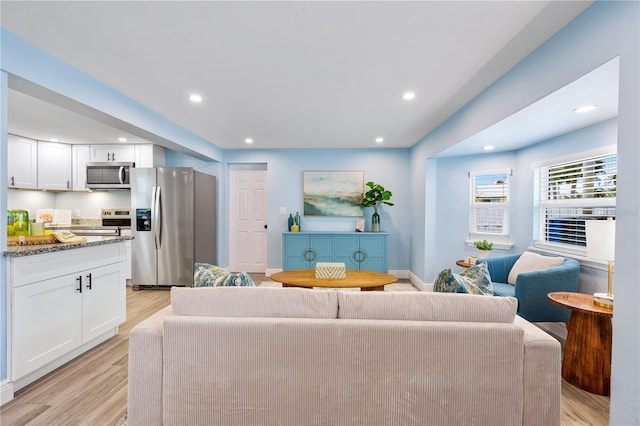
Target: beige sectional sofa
{"x": 274, "y": 356}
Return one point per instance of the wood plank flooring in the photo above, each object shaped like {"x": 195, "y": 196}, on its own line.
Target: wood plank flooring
{"x": 92, "y": 389}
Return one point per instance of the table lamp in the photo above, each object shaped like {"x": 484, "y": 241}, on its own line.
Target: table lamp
{"x": 601, "y": 244}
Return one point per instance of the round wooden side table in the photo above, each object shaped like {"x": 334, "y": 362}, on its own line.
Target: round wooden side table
{"x": 587, "y": 352}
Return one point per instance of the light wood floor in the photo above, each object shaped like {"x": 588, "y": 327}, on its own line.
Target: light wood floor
{"x": 92, "y": 389}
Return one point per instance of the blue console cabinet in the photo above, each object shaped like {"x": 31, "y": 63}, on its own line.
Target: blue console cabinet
{"x": 366, "y": 251}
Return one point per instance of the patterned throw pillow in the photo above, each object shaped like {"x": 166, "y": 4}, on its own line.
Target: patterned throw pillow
{"x": 206, "y": 275}
{"x": 475, "y": 280}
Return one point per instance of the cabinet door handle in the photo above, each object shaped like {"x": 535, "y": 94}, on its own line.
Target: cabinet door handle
{"x": 113, "y": 156}
{"x": 13, "y": 181}
{"x": 359, "y": 256}
{"x": 309, "y": 255}
{"x": 108, "y": 156}
{"x": 89, "y": 278}
{"x": 68, "y": 183}
{"x": 79, "y": 279}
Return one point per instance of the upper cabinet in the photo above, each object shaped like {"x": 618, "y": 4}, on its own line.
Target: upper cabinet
{"x": 149, "y": 155}
{"x": 80, "y": 156}
{"x": 54, "y": 166}
{"x": 117, "y": 153}
{"x": 22, "y": 162}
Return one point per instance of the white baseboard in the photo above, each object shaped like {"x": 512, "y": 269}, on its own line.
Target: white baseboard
{"x": 417, "y": 282}
{"x": 6, "y": 392}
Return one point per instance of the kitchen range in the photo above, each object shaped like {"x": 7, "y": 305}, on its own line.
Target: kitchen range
{"x": 113, "y": 222}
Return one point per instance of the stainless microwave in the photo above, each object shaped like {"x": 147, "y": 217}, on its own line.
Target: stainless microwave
{"x": 109, "y": 175}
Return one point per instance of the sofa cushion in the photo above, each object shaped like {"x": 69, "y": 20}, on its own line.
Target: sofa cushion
{"x": 425, "y": 306}
{"x": 254, "y": 302}
{"x": 475, "y": 280}
{"x": 504, "y": 289}
{"x": 207, "y": 275}
{"x": 529, "y": 261}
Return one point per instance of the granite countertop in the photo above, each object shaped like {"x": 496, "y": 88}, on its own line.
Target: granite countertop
{"x": 28, "y": 250}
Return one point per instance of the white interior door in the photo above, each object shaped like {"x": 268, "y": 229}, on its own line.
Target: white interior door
{"x": 248, "y": 218}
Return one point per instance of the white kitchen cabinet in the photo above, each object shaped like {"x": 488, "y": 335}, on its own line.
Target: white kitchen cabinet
{"x": 22, "y": 162}
{"x": 117, "y": 153}
{"x": 63, "y": 303}
{"x": 149, "y": 155}
{"x": 54, "y": 166}
{"x": 45, "y": 323}
{"x": 80, "y": 156}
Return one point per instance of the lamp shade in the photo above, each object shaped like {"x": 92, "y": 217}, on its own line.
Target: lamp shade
{"x": 601, "y": 239}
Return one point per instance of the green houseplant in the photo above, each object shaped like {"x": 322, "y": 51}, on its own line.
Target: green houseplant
{"x": 484, "y": 247}
{"x": 375, "y": 197}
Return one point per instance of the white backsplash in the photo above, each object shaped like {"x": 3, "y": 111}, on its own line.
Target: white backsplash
{"x": 85, "y": 205}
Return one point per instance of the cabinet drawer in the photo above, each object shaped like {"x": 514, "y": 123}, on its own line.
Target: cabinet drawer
{"x": 39, "y": 267}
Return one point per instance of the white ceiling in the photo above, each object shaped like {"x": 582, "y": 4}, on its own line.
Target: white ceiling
{"x": 287, "y": 74}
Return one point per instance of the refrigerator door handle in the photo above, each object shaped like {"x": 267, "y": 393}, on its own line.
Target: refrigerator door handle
{"x": 157, "y": 219}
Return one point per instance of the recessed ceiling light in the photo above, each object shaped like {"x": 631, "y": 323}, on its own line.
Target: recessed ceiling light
{"x": 122, "y": 139}
{"x": 248, "y": 140}
{"x": 379, "y": 140}
{"x": 585, "y": 108}
{"x": 407, "y": 96}
{"x": 53, "y": 140}
{"x": 488, "y": 147}
{"x": 195, "y": 98}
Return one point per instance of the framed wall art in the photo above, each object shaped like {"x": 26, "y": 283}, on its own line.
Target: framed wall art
{"x": 333, "y": 193}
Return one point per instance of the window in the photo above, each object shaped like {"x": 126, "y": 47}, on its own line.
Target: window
{"x": 571, "y": 193}
{"x": 489, "y": 205}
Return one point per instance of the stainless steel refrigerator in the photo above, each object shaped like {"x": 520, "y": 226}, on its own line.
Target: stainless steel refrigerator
{"x": 174, "y": 225}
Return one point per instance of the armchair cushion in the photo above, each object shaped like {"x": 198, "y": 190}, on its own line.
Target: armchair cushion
{"x": 532, "y": 262}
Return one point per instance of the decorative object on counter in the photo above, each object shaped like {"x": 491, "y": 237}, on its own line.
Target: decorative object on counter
{"x": 17, "y": 222}
{"x": 45, "y": 215}
{"x": 360, "y": 225}
{"x": 375, "y": 197}
{"x": 601, "y": 244}
{"x": 330, "y": 270}
{"x": 332, "y": 193}
{"x": 290, "y": 222}
{"x": 296, "y": 220}
{"x": 295, "y": 227}
{"x": 69, "y": 237}
{"x": 37, "y": 229}
{"x": 484, "y": 248}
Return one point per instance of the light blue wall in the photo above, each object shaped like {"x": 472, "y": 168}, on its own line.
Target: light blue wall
{"x": 605, "y": 30}
{"x": 388, "y": 167}
{"x": 451, "y": 195}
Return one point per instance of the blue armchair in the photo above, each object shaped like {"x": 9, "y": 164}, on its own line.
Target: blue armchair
{"x": 531, "y": 288}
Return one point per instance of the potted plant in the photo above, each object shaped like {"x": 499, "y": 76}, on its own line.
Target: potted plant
{"x": 484, "y": 247}
{"x": 375, "y": 197}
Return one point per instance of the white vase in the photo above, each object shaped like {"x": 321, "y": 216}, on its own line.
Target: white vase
{"x": 483, "y": 253}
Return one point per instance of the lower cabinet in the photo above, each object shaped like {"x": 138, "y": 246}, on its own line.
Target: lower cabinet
{"x": 365, "y": 251}
{"x": 63, "y": 313}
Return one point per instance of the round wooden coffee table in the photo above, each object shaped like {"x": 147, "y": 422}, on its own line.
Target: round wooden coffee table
{"x": 587, "y": 352}
{"x": 366, "y": 280}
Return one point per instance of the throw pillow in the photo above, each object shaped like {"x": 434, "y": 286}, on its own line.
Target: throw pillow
{"x": 475, "y": 280}
{"x": 207, "y": 275}
{"x": 529, "y": 261}
{"x": 445, "y": 282}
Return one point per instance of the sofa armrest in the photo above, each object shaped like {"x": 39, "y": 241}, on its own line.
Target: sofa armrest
{"x": 542, "y": 376}
{"x": 145, "y": 370}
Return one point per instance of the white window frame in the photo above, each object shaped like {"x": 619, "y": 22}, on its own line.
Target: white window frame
{"x": 541, "y": 203}
{"x": 500, "y": 240}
